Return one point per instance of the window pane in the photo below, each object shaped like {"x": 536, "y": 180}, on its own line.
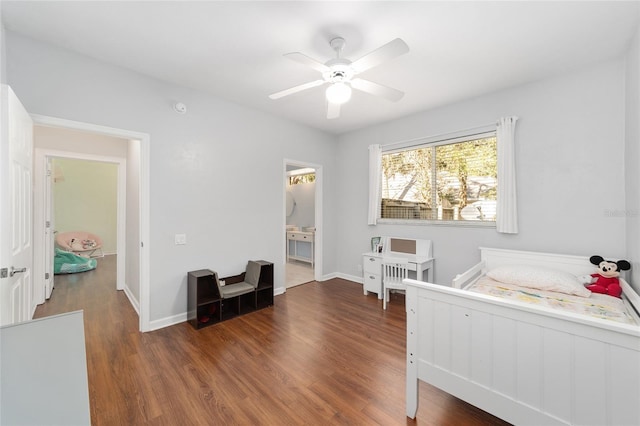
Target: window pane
{"x": 447, "y": 182}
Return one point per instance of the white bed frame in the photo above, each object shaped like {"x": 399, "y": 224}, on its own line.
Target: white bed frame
{"x": 524, "y": 364}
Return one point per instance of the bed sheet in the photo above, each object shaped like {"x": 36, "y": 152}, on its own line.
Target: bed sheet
{"x": 597, "y": 305}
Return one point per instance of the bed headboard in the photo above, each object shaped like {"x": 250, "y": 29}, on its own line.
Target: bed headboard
{"x": 576, "y": 265}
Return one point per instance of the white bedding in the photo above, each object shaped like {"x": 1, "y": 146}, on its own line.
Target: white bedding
{"x": 596, "y": 305}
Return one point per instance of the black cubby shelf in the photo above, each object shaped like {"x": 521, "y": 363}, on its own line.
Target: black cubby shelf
{"x": 205, "y": 307}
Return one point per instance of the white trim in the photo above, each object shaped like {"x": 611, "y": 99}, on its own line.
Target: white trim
{"x": 145, "y": 146}
{"x": 167, "y": 321}
{"x": 38, "y": 228}
{"x": 453, "y": 223}
{"x": 132, "y": 299}
{"x": 348, "y": 277}
{"x": 375, "y": 213}
{"x": 145, "y": 232}
{"x": 317, "y": 269}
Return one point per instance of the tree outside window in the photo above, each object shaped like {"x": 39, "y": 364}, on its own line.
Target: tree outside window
{"x": 441, "y": 181}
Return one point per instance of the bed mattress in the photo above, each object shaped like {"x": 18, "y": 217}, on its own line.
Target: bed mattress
{"x": 597, "y": 305}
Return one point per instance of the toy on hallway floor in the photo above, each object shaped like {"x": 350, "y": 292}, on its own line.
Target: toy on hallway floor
{"x": 606, "y": 280}
{"x": 81, "y": 243}
{"x": 65, "y": 262}
{"x": 76, "y": 245}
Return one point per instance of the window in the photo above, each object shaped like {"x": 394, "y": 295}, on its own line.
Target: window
{"x": 448, "y": 180}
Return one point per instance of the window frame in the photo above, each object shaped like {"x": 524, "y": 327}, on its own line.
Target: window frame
{"x": 432, "y": 142}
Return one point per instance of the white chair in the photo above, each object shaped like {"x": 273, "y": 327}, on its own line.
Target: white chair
{"x": 394, "y": 270}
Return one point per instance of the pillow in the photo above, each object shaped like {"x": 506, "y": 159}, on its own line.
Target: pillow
{"x": 539, "y": 278}
{"x": 252, "y": 274}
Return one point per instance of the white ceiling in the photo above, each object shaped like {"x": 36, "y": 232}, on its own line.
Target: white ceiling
{"x": 233, "y": 49}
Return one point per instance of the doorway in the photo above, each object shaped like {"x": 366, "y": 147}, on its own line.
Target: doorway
{"x": 301, "y": 224}
{"x": 133, "y": 204}
{"x": 83, "y": 193}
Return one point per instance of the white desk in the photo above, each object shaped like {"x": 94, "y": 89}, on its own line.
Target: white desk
{"x": 419, "y": 263}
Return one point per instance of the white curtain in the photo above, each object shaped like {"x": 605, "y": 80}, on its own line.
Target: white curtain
{"x": 375, "y": 169}
{"x": 507, "y": 214}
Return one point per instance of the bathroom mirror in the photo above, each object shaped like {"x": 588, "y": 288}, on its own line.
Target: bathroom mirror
{"x": 291, "y": 203}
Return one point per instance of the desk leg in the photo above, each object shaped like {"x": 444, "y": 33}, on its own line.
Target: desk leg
{"x": 420, "y": 274}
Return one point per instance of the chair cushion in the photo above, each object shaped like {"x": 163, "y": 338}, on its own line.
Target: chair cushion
{"x": 252, "y": 275}
{"x": 237, "y": 289}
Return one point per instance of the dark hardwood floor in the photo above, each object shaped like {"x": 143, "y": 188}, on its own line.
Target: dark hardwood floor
{"x": 324, "y": 354}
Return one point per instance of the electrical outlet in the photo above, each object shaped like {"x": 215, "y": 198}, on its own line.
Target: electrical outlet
{"x": 181, "y": 239}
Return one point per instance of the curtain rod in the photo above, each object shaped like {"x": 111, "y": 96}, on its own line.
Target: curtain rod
{"x": 444, "y": 136}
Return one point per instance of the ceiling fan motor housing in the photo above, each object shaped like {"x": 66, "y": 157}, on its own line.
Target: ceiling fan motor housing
{"x": 339, "y": 71}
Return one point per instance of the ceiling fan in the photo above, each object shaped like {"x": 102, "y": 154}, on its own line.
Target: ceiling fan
{"x": 340, "y": 72}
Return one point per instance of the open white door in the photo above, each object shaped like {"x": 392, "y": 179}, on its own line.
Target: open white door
{"x": 16, "y": 255}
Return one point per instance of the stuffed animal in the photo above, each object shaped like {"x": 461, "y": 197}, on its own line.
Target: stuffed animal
{"x": 606, "y": 281}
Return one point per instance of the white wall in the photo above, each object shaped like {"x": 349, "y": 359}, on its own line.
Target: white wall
{"x": 213, "y": 176}
{"x": 86, "y": 199}
{"x": 132, "y": 244}
{"x": 632, "y": 159}
{"x": 570, "y": 158}
{"x": 3, "y": 56}
{"x": 57, "y": 139}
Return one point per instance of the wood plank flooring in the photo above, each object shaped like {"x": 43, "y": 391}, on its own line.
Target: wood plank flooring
{"x": 297, "y": 273}
{"x": 324, "y": 354}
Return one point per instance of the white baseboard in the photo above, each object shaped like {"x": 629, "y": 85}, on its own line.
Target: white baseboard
{"x": 328, "y": 277}
{"x": 132, "y": 299}
{"x": 347, "y": 277}
{"x": 168, "y": 321}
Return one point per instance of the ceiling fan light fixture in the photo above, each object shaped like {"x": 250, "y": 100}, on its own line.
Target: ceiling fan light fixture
{"x": 338, "y": 93}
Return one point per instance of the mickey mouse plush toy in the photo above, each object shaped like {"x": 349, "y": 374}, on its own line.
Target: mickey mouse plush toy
{"x": 606, "y": 280}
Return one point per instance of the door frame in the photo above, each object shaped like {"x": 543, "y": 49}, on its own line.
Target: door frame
{"x": 42, "y": 156}
{"x": 144, "y": 197}
{"x": 317, "y": 270}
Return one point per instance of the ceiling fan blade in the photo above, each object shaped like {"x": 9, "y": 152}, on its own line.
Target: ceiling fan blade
{"x": 296, "y": 89}
{"x": 377, "y": 89}
{"x": 305, "y": 60}
{"x": 382, "y": 54}
{"x": 333, "y": 110}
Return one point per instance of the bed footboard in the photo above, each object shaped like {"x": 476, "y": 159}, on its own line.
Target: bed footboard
{"x": 518, "y": 363}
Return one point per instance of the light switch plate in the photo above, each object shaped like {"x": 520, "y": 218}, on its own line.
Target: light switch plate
{"x": 181, "y": 239}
